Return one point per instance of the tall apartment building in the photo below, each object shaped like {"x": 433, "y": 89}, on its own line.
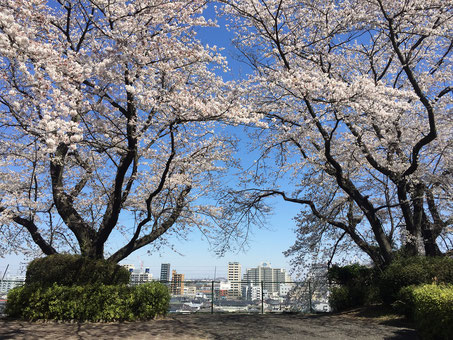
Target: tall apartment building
{"x": 271, "y": 277}
{"x": 234, "y": 277}
{"x": 165, "y": 272}
{"x": 177, "y": 283}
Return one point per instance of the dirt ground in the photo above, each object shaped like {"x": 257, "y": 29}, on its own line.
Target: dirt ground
{"x": 219, "y": 326}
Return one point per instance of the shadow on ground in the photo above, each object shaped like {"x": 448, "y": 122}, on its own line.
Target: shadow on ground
{"x": 216, "y": 326}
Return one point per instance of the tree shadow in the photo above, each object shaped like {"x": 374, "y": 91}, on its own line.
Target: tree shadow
{"x": 217, "y": 326}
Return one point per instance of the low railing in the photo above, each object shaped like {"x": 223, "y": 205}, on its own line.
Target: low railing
{"x": 207, "y": 296}
{"x": 250, "y": 297}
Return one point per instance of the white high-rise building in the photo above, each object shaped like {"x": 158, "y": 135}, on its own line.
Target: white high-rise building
{"x": 271, "y": 277}
{"x": 234, "y": 277}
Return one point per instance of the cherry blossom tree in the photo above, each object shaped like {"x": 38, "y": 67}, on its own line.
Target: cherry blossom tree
{"x": 357, "y": 98}
{"x": 108, "y": 124}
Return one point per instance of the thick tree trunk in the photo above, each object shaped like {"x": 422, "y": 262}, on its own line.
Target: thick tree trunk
{"x": 429, "y": 240}
{"x": 90, "y": 250}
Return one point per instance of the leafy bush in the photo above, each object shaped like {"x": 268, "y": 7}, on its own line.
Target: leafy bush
{"x": 351, "y": 274}
{"x": 431, "y": 307}
{"x": 357, "y": 286}
{"x": 68, "y": 270}
{"x": 88, "y": 303}
{"x": 404, "y": 303}
{"x": 150, "y": 300}
{"x": 339, "y": 298}
{"x": 413, "y": 271}
{"x": 361, "y": 285}
{"x": 345, "y": 296}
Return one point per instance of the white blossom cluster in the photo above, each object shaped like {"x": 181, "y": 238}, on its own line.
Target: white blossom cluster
{"x": 108, "y": 109}
{"x": 357, "y": 97}
{"x": 113, "y": 110}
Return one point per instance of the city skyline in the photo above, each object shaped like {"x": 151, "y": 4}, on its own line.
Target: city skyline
{"x": 241, "y": 273}
{"x": 218, "y": 271}
{"x": 196, "y": 255}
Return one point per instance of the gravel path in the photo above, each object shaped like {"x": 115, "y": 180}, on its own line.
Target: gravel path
{"x": 217, "y": 326}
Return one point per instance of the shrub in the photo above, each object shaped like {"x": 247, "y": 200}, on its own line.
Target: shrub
{"x": 345, "y": 296}
{"x": 357, "y": 286}
{"x": 68, "y": 270}
{"x": 433, "y": 311}
{"x": 89, "y": 302}
{"x": 339, "y": 298}
{"x": 18, "y": 299}
{"x": 404, "y": 303}
{"x": 351, "y": 274}
{"x": 413, "y": 271}
{"x": 149, "y": 300}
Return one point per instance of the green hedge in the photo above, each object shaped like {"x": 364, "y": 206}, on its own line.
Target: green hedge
{"x": 360, "y": 285}
{"x": 88, "y": 303}
{"x": 68, "y": 270}
{"x": 416, "y": 270}
{"x": 356, "y": 286}
{"x": 404, "y": 304}
{"x": 339, "y": 298}
{"x": 431, "y": 307}
{"x": 351, "y": 274}
{"x": 348, "y": 296}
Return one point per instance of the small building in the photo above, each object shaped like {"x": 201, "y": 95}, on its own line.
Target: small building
{"x": 130, "y": 267}
{"x": 138, "y": 277}
{"x": 190, "y": 291}
{"x": 222, "y": 289}
{"x": 285, "y": 288}
{"x": 252, "y": 292}
{"x": 7, "y": 285}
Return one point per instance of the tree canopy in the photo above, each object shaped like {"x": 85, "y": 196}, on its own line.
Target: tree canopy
{"x": 357, "y": 98}
{"x": 108, "y": 112}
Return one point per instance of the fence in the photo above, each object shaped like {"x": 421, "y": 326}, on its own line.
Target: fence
{"x": 203, "y": 296}
{"x": 249, "y": 297}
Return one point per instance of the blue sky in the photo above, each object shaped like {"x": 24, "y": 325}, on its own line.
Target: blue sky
{"x": 194, "y": 257}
